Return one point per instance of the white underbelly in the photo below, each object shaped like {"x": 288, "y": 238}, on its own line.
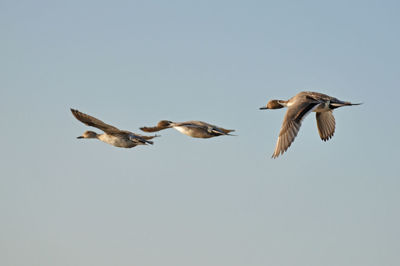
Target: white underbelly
{"x": 183, "y": 130}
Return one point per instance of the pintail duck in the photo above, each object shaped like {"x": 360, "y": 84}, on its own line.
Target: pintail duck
{"x": 112, "y": 136}
{"x": 195, "y": 129}
{"x": 299, "y": 107}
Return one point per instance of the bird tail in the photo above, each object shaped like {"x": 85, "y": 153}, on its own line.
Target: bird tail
{"x": 340, "y": 104}
{"x": 227, "y": 131}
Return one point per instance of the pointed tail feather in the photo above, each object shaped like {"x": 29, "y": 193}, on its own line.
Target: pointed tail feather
{"x": 340, "y": 104}
{"x": 227, "y": 131}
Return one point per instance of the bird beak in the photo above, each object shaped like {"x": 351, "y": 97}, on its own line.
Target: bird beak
{"x": 264, "y": 108}
{"x": 80, "y": 137}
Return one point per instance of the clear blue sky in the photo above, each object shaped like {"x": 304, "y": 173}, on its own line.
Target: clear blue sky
{"x": 195, "y": 202}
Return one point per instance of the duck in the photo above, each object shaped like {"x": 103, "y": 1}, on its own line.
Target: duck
{"x": 195, "y": 129}
{"x": 298, "y": 107}
{"x": 112, "y": 135}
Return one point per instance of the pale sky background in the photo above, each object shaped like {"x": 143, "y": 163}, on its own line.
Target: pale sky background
{"x": 196, "y": 202}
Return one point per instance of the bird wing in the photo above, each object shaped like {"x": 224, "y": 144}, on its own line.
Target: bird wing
{"x": 325, "y": 124}
{"x": 291, "y": 124}
{"x": 93, "y": 122}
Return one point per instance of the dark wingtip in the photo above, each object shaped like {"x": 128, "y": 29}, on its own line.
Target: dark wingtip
{"x": 74, "y": 111}
{"x": 274, "y": 155}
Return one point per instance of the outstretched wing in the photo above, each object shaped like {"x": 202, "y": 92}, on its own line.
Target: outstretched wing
{"x": 93, "y": 122}
{"x": 291, "y": 125}
{"x": 326, "y": 125}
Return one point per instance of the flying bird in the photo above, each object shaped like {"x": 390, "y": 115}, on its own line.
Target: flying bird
{"x": 195, "y": 129}
{"x": 298, "y": 107}
{"x": 112, "y": 136}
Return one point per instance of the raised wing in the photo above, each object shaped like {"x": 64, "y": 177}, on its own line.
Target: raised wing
{"x": 93, "y": 122}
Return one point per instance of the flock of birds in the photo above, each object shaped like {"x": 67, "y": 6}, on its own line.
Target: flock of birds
{"x": 298, "y": 107}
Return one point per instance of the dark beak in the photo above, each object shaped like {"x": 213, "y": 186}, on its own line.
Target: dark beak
{"x": 80, "y": 137}
{"x": 263, "y": 108}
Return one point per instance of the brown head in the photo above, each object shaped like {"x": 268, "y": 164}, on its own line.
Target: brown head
{"x": 164, "y": 124}
{"x": 88, "y": 135}
{"x": 273, "y": 104}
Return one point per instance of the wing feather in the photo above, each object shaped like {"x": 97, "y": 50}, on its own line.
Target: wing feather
{"x": 93, "y": 122}
{"x": 291, "y": 125}
{"x": 326, "y": 125}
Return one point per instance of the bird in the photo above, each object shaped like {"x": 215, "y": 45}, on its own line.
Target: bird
{"x": 298, "y": 107}
{"x": 112, "y": 135}
{"x": 195, "y": 129}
